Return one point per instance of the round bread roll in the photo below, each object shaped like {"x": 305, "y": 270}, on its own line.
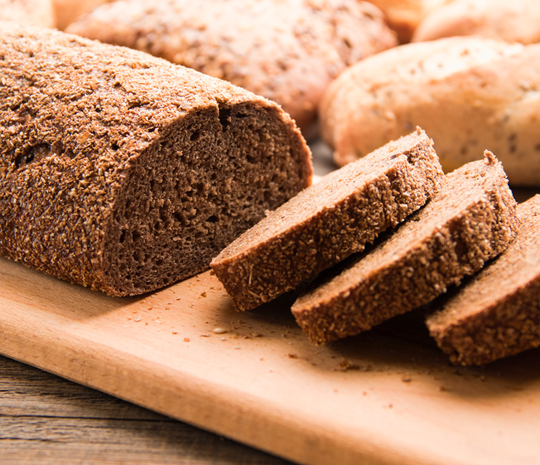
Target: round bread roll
{"x": 516, "y": 20}
{"x": 285, "y": 50}
{"x": 67, "y": 11}
{"x": 29, "y": 12}
{"x": 126, "y": 173}
{"x": 469, "y": 94}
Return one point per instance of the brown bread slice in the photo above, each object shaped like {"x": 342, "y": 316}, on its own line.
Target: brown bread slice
{"x": 497, "y": 313}
{"x": 470, "y": 221}
{"x": 126, "y": 173}
{"x": 329, "y": 221}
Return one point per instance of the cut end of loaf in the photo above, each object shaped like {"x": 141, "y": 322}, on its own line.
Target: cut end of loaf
{"x": 192, "y": 192}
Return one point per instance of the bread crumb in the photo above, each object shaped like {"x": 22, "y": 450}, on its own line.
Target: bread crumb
{"x": 220, "y": 330}
{"x": 186, "y": 339}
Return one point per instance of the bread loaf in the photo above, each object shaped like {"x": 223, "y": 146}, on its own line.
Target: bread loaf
{"x": 286, "y": 50}
{"x": 469, "y": 94}
{"x": 329, "y": 221}
{"x": 126, "y": 173}
{"x": 516, "y": 20}
{"x": 404, "y": 16}
{"x": 497, "y": 313}
{"x": 28, "y": 12}
{"x": 471, "y": 220}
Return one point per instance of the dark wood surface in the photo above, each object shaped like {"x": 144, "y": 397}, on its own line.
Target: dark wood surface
{"x": 45, "y": 419}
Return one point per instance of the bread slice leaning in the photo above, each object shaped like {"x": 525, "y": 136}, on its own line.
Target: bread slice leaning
{"x": 497, "y": 313}
{"x": 126, "y": 173}
{"x": 471, "y": 220}
{"x": 329, "y": 221}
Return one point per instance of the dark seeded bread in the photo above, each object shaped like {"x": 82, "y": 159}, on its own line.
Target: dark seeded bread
{"x": 470, "y": 221}
{"x": 123, "y": 172}
{"x": 329, "y": 221}
{"x": 285, "y": 50}
{"x": 497, "y": 313}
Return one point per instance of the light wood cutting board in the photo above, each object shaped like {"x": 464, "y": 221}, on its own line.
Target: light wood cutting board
{"x": 386, "y": 397}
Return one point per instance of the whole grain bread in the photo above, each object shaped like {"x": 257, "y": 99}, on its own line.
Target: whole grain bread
{"x": 126, "y": 173}
{"x": 516, "y": 20}
{"x": 497, "y": 313}
{"x": 469, "y": 94}
{"x": 29, "y": 12}
{"x": 471, "y": 220}
{"x": 286, "y": 50}
{"x": 329, "y": 221}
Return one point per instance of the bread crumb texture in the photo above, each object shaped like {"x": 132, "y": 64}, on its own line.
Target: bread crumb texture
{"x": 126, "y": 173}
{"x": 329, "y": 221}
{"x": 497, "y": 313}
{"x": 471, "y": 220}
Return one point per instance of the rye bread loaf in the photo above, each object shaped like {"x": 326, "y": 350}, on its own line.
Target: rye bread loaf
{"x": 497, "y": 313}
{"x": 471, "y": 220}
{"x": 404, "y": 16}
{"x": 286, "y": 50}
{"x": 126, "y": 173}
{"x": 329, "y": 221}
{"x": 516, "y": 20}
{"x": 469, "y": 94}
{"x": 29, "y": 12}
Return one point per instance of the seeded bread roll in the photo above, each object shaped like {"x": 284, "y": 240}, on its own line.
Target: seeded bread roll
{"x": 469, "y": 94}
{"x": 125, "y": 173}
{"x": 404, "y": 16}
{"x": 497, "y": 313}
{"x": 286, "y": 50}
{"x": 471, "y": 220}
{"x": 329, "y": 221}
{"x": 516, "y": 20}
{"x": 28, "y": 12}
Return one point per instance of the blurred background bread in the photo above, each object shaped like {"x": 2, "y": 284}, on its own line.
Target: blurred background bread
{"x": 29, "y": 12}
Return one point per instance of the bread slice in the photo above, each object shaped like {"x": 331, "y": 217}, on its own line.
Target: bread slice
{"x": 126, "y": 173}
{"x": 471, "y": 220}
{"x": 497, "y": 313}
{"x": 329, "y": 221}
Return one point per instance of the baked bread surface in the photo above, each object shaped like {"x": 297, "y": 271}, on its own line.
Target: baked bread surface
{"x": 469, "y": 94}
{"x": 516, "y": 20}
{"x": 497, "y": 313}
{"x": 329, "y": 221}
{"x": 285, "y": 50}
{"x": 126, "y": 173}
{"x": 471, "y": 220}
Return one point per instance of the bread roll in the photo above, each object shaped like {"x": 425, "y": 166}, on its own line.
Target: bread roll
{"x": 126, "y": 173}
{"x": 67, "y": 11}
{"x": 471, "y": 220}
{"x": 469, "y": 94}
{"x": 516, "y": 20}
{"x": 28, "y": 12}
{"x": 286, "y": 50}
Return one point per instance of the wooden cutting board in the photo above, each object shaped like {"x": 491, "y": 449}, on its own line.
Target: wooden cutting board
{"x": 386, "y": 397}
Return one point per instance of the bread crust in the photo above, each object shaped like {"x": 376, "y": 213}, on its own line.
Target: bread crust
{"x": 515, "y": 21}
{"x": 125, "y": 173}
{"x": 469, "y": 94}
{"x": 287, "y": 51}
{"x": 469, "y": 222}
{"x": 329, "y": 221}
{"x": 497, "y": 313}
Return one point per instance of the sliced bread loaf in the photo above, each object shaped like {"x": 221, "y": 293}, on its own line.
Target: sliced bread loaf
{"x": 497, "y": 313}
{"x": 126, "y": 173}
{"x": 470, "y": 221}
{"x": 329, "y": 221}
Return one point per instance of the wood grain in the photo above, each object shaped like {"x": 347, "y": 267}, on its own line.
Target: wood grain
{"x": 372, "y": 399}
